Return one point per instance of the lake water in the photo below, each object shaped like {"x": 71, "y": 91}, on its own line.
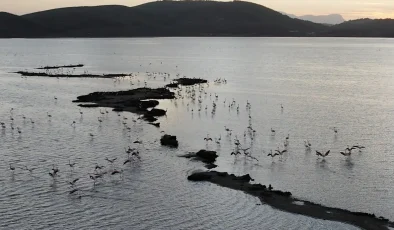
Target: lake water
{"x": 321, "y": 83}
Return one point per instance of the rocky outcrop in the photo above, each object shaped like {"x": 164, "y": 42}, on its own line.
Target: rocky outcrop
{"x": 207, "y": 156}
{"x": 168, "y": 140}
{"x": 156, "y": 112}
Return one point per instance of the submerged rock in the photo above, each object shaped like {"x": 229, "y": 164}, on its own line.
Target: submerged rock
{"x": 168, "y": 140}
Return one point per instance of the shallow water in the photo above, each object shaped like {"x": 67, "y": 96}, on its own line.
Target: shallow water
{"x": 321, "y": 83}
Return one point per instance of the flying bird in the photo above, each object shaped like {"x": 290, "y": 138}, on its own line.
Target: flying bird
{"x": 322, "y": 155}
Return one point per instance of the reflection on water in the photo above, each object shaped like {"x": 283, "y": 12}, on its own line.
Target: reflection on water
{"x": 321, "y": 83}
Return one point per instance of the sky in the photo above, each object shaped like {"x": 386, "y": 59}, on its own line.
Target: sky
{"x": 349, "y": 9}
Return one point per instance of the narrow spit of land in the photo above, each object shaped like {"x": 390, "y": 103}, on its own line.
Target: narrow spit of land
{"x": 65, "y": 75}
{"x": 62, "y": 66}
{"x": 285, "y": 202}
{"x": 57, "y": 71}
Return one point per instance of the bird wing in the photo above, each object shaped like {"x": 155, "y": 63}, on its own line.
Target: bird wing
{"x": 318, "y": 153}
{"x": 284, "y": 151}
{"x": 75, "y": 180}
{"x": 328, "y": 152}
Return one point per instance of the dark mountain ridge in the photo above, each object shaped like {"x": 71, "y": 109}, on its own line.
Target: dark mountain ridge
{"x": 15, "y": 26}
{"x": 167, "y": 18}
{"x": 164, "y": 19}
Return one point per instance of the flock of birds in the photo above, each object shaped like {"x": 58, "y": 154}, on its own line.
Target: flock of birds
{"x": 98, "y": 171}
{"x": 197, "y": 95}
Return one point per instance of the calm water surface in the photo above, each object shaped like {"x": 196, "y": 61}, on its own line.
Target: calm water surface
{"x": 321, "y": 83}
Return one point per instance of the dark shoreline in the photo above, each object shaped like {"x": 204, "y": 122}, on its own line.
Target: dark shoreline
{"x": 285, "y": 202}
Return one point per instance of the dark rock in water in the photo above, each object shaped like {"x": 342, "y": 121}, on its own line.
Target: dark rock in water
{"x": 199, "y": 177}
{"x": 207, "y": 156}
{"x": 156, "y": 112}
{"x": 172, "y": 85}
{"x": 185, "y": 81}
{"x": 257, "y": 187}
{"x": 245, "y": 178}
{"x": 281, "y": 193}
{"x": 149, "y": 118}
{"x": 88, "y": 105}
{"x": 148, "y": 104}
{"x": 155, "y": 124}
{"x": 169, "y": 140}
{"x": 210, "y": 166}
{"x": 190, "y": 81}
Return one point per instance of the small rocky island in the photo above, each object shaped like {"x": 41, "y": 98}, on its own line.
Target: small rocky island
{"x": 135, "y": 100}
{"x": 168, "y": 140}
{"x": 141, "y": 100}
{"x": 206, "y": 156}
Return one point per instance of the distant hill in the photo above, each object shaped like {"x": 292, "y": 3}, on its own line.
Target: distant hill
{"x": 331, "y": 19}
{"x": 178, "y": 18}
{"x": 16, "y": 26}
{"x": 165, "y": 18}
{"x": 362, "y": 28}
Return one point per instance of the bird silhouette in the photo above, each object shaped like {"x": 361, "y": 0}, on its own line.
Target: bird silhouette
{"x": 322, "y": 155}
